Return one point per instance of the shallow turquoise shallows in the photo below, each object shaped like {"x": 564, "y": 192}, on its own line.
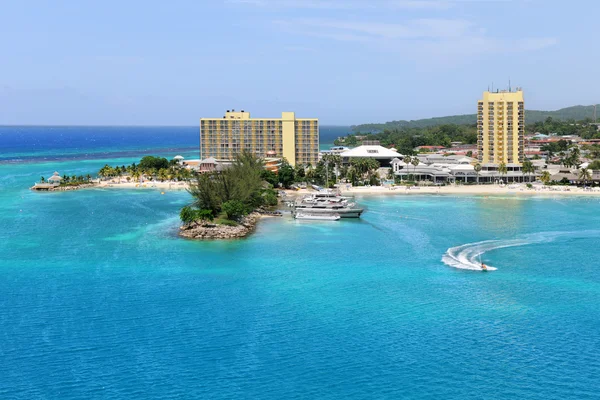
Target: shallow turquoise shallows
{"x": 99, "y": 298}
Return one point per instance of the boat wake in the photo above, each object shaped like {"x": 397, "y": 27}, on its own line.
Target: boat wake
{"x": 468, "y": 256}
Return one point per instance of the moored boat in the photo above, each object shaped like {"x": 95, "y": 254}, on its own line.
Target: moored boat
{"x": 326, "y": 203}
{"x": 317, "y": 217}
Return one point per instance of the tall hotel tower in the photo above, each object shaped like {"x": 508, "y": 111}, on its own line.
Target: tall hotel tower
{"x": 295, "y": 139}
{"x": 501, "y": 127}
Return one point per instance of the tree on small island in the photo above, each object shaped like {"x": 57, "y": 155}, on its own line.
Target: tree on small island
{"x": 189, "y": 215}
{"x": 234, "y": 209}
{"x": 229, "y": 194}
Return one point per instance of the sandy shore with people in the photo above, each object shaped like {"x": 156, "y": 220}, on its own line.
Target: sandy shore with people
{"x": 167, "y": 185}
{"x": 474, "y": 190}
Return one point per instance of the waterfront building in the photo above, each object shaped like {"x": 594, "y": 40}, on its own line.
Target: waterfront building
{"x": 450, "y": 169}
{"x": 501, "y": 127}
{"x": 295, "y": 139}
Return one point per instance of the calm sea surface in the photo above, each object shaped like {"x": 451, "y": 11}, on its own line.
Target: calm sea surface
{"x": 100, "y": 299}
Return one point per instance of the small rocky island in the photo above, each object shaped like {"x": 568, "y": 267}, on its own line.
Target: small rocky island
{"x": 57, "y": 183}
{"x": 219, "y": 231}
{"x": 227, "y": 204}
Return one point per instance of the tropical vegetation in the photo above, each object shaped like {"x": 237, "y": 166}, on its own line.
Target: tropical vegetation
{"x": 576, "y": 113}
{"x": 406, "y": 137}
{"x": 230, "y": 194}
{"x": 149, "y": 168}
{"x": 405, "y": 140}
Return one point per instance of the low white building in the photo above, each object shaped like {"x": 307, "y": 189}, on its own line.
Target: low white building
{"x": 457, "y": 169}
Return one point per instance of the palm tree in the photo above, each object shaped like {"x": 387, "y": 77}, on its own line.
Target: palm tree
{"x": 477, "y": 168}
{"x": 163, "y": 174}
{"x": 336, "y": 160}
{"x": 106, "y": 171}
{"x": 502, "y": 168}
{"x": 407, "y": 160}
{"x": 545, "y": 177}
{"x": 88, "y": 177}
{"x": 42, "y": 180}
{"x": 574, "y": 157}
{"x": 136, "y": 175}
{"x": 528, "y": 168}
{"x": 585, "y": 175}
{"x": 415, "y": 163}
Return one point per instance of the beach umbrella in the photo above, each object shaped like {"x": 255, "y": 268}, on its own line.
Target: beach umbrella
{"x": 178, "y": 158}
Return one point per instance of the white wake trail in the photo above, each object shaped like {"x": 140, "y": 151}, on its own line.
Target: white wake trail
{"x": 468, "y": 256}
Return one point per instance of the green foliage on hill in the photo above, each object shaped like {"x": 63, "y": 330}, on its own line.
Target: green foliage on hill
{"x": 569, "y": 127}
{"x": 577, "y": 113}
{"x": 406, "y": 139}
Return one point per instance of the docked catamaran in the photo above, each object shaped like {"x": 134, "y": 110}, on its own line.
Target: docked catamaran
{"x": 326, "y": 203}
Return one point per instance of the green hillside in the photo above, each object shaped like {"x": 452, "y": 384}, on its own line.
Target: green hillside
{"x": 577, "y": 113}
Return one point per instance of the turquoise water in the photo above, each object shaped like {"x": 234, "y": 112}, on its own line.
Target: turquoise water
{"x": 100, "y": 299}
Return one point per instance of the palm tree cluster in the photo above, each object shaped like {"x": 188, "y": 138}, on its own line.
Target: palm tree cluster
{"x": 414, "y": 161}
{"x": 173, "y": 171}
{"x": 528, "y": 168}
{"x": 572, "y": 159}
{"x": 331, "y": 169}
{"x": 75, "y": 180}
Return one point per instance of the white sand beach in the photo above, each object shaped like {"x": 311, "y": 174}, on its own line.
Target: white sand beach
{"x": 167, "y": 185}
{"x": 474, "y": 190}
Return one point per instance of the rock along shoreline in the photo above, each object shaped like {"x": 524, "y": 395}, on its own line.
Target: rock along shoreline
{"x": 219, "y": 232}
{"x": 47, "y": 188}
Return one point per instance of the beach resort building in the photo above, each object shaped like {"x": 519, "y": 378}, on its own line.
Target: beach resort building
{"x": 295, "y": 139}
{"x": 501, "y": 127}
{"x": 439, "y": 169}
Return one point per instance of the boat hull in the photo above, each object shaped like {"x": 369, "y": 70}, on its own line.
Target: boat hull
{"x": 343, "y": 213}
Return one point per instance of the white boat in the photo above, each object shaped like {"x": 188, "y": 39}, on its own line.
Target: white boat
{"x": 318, "y": 217}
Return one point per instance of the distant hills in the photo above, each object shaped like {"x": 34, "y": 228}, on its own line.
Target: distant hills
{"x": 577, "y": 113}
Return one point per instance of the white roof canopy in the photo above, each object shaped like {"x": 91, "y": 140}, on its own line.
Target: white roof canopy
{"x": 370, "y": 151}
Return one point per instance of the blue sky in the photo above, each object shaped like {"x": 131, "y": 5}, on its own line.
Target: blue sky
{"x": 342, "y": 61}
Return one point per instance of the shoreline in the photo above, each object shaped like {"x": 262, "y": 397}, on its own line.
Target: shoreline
{"x": 474, "y": 190}
{"x": 477, "y": 190}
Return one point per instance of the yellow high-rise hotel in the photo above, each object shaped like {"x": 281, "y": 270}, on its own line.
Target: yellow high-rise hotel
{"x": 501, "y": 127}
{"x": 295, "y": 139}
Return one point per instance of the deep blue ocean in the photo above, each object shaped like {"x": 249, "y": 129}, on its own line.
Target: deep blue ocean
{"x": 99, "y": 298}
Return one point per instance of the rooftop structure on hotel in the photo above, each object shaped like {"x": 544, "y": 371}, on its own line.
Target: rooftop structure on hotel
{"x": 501, "y": 127}
{"x": 295, "y": 139}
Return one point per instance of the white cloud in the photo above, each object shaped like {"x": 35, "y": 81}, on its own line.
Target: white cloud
{"x": 429, "y": 37}
{"x": 299, "y": 49}
{"x": 531, "y": 44}
{"x": 414, "y": 29}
